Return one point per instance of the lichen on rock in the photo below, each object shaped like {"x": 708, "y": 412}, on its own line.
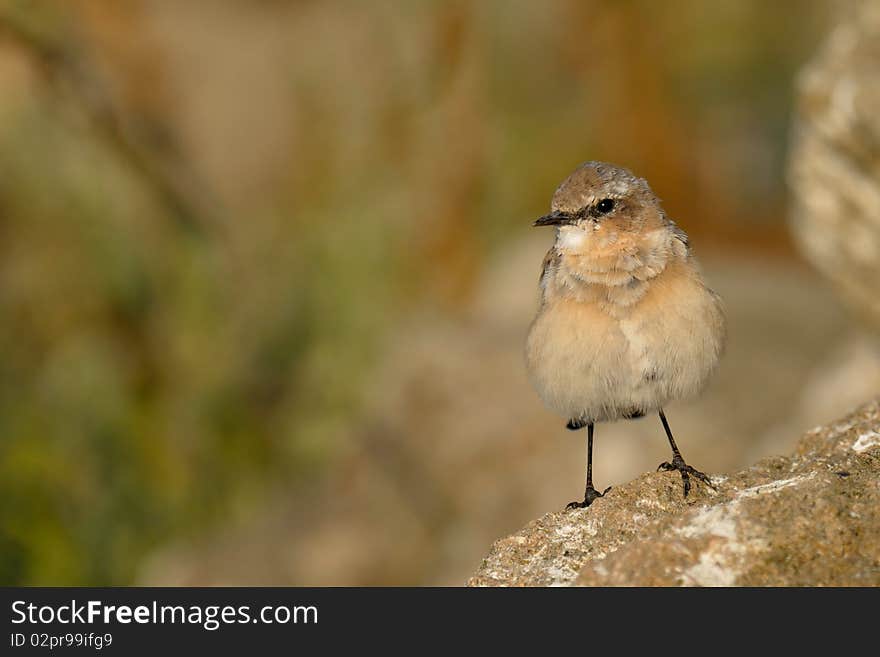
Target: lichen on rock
{"x": 810, "y": 519}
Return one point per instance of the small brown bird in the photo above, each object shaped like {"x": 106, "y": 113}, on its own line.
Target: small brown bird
{"x": 625, "y": 323}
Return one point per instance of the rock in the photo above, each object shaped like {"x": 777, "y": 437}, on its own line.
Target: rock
{"x": 834, "y": 166}
{"x": 810, "y": 519}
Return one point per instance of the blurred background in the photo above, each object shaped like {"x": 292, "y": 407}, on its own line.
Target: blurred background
{"x": 266, "y": 270}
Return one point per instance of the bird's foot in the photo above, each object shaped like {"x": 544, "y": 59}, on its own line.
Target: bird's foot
{"x": 590, "y": 496}
{"x": 686, "y": 471}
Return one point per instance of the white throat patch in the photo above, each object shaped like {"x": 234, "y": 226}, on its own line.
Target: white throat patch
{"x": 571, "y": 239}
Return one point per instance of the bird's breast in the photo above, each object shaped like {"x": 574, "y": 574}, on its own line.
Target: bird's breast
{"x": 600, "y": 347}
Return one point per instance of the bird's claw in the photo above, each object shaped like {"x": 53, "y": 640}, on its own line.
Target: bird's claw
{"x": 590, "y": 496}
{"x": 686, "y": 471}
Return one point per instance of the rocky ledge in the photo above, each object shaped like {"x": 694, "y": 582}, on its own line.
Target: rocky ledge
{"x": 809, "y": 519}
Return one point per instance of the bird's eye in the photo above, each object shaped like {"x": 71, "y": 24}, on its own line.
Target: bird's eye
{"x": 605, "y": 206}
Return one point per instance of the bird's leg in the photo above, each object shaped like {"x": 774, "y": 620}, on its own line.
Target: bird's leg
{"x": 678, "y": 462}
{"x": 590, "y": 493}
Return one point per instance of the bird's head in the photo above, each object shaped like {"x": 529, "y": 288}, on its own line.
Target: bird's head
{"x": 598, "y": 205}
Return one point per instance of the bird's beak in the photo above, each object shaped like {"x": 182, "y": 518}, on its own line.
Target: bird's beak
{"x": 556, "y": 218}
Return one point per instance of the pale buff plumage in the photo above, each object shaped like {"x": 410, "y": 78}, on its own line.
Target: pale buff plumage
{"x": 625, "y": 323}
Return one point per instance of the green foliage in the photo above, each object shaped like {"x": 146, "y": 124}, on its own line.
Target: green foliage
{"x": 146, "y": 383}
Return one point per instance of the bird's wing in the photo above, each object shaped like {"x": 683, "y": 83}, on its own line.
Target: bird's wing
{"x": 679, "y": 234}
{"x": 551, "y": 262}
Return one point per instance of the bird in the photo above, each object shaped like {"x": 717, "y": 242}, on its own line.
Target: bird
{"x": 625, "y": 321}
